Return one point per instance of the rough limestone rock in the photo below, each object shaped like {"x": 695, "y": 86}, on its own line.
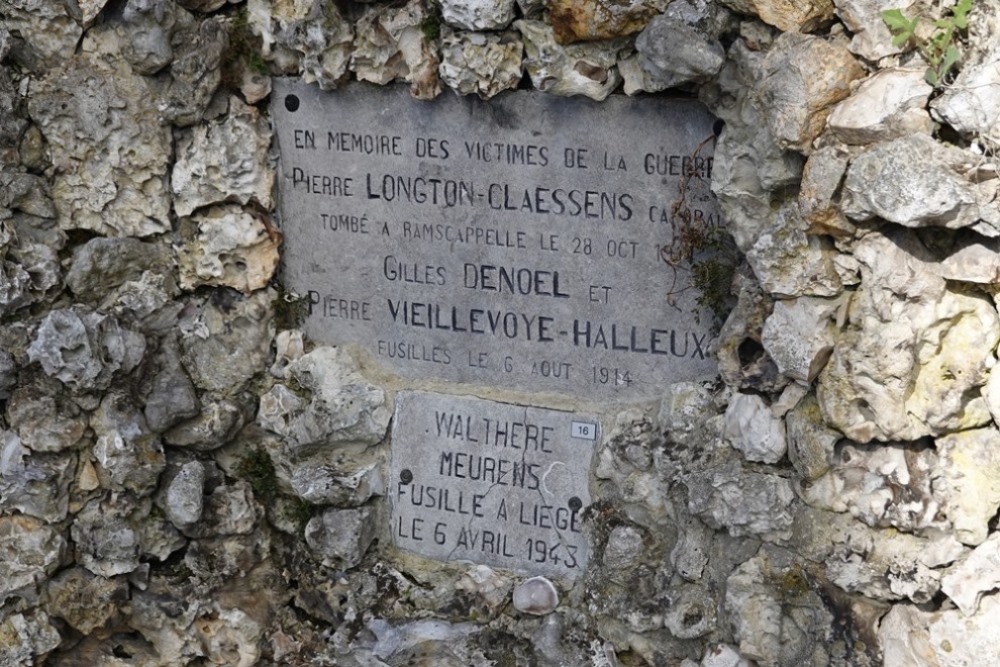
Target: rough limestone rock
{"x": 44, "y": 417}
{"x": 975, "y": 260}
{"x": 226, "y": 339}
{"x": 31, "y": 551}
{"x": 908, "y": 181}
{"x": 946, "y": 638}
{"x": 106, "y": 543}
{"x": 46, "y": 34}
{"x": 724, "y": 655}
{"x": 198, "y": 48}
{"x": 34, "y": 484}
{"x": 750, "y": 168}
{"x": 976, "y": 574}
{"x": 871, "y": 37}
{"x": 342, "y": 408}
{"x": 342, "y": 477}
{"x": 392, "y": 45}
{"x": 970, "y": 103}
{"x": 803, "y": 77}
{"x": 800, "y": 333}
{"x": 672, "y": 52}
{"x": 684, "y": 411}
{"x": 743, "y": 361}
{"x": 742, "y": 502}
{"x": 108, "y": 147}
{"x": 478, "y": 14}
{"x": 810, "y": 442}
{"x": 788, "y": 16}
{"x": 890, "y": 104}
{"x": 969, "y": 476}
{"x": 27, "y": 639}
{"x": 751, "y": 428}
{"x": 228, "y": 510}
{"x": 130, "y": 456}
{"x": 85, "y": 349}
{"x": 182, "y": 500}
{"x": 769, "y": 630}
{"x": 103, "y": 265}
{"x": 226, "y": 246}
{"x": 84, "y": 600}
{"x": 590, "y": 20}
{"x": 224, "y": 161}
{"x": 308, "y": 38}
{"x": 536, "y": 596}
{"x": 914, "y": 352}
{"x": 819, "y": 193}
{"x": 491, "y": 586}
{"x": 148, "y": 25}
{"x": 481, "y": 63}
{"x": 168, "y": 392}
{"x": 578, "y": 69}
{"x": 218, "y": 422}
{"x": 883, "y": 485}
{"x": 790, "y": 263}
{"x": 340, "y": 537}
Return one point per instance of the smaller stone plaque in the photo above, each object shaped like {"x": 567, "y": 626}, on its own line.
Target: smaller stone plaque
{"x": 493, "y": 483}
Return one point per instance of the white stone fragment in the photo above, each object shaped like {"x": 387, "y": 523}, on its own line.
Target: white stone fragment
{"x": 724, "y": 655}
{"x": 752, "y": 429}
{"x": 226, "y": 246}
{"x": 340, "y": 537}
{"x": 976, "y": 574}
{"x": 481, "y": 63}
{"x": 871, "y": 37}
{"x": 915, "y": 638}
{"x": 183, "y": 500}
{"x": 799, "y": 335}
{"x": 742, "y": 502}
{"x": 889, "y": 104}
{"x": 478, "y": 14}
{"x": 224, "y": 161}
{"x": 588, "y": 69}
{"x": 391, "y": 45}
{"x": 969, "y": 474}
{"x": 537, "y": 596}
{"x": 492, "y": 586}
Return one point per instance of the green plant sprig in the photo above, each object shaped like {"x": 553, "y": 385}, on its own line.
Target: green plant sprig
{"x": 941, "y": 49}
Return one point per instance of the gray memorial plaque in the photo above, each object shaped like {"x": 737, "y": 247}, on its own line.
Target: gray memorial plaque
{"x": 498, "y": 484}
{"x": 512, "y": 243}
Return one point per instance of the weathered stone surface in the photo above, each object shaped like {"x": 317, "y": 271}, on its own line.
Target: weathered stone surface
{"x": 224, "y": 161}
{"x": 228, "y": 510}
{"x": 491, "y": 586}
{"x": 536, "y": 596}
{"x": 103, "y": 265}
{"x": 13, "y": 107}
{"x": 589, "y": 20}
{"x": 107, "y": 144}
{"x": 750, "y": 167}
{"x": 182, "y": 499}
{"x": 342, "y": 408}
{"x": 46, "y": 34}
{"x": 168, "y": 393}
{"x": 84, "y": 600}
{"x": 106, "y": 543}
{"x": 26, "y": 639}
{"x": 742, "y": 502}
{"x": 970, "y": 103}
{"x": 85, "y": 349}
{"x": 308, "y": 38}
{"x": 948, "y": 638}
{"x": 975, "y": 260}
{"x": 226, "y": 340}
{"x": 226, "y": 246}
{"x": 819, "y": 193}
{"x": 803, "y": 77}
{"x": 890, "y": 104}
{"x": 871, "y": 37}
{"x": 787, "y": 15}
{"x": 972, "y": 576}
{"x": 969, "y": 478}
{"x": 195, "y": 69}
{"x": 31, "y": 551}
{"x": 800, "y": 333}
{"x": 768, "y": 629}
{"x": 724, "y": 655}
{"x": 478, "y": 14}
{"x": 481, "y": 63}
{"x": 149, "y": 24}
{"x": 672, "y": 52}
{"x": 217, "y": 423}
{"x": 44, "y": 418}
{"x": 684, "y": 410}
{"x": 578, "y": 69}
{"x": 34, "y": 484}
{"x": 129, "y": 454}
{"x": 788, "y": 262}
{"x": 810, "y": 442}
{"x": 340, "y": 538}
{"x": 751, "y": 428}
{"x": 344, "y": 478}
{"x": 743, "y": 361}
{"x": 391, "y": 45}
{"x": 914, "y": 352}
{"x": 908, "y": 181}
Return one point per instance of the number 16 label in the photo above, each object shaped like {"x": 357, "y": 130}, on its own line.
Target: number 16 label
{"x": 584, "y": 430}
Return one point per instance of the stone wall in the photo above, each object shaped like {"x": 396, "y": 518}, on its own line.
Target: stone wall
{"x": 185, "y": 480}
